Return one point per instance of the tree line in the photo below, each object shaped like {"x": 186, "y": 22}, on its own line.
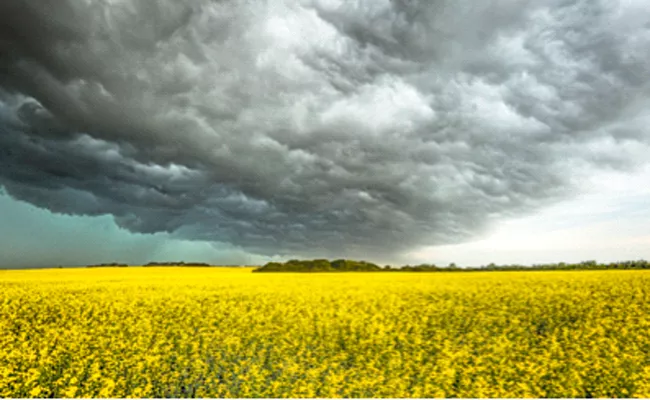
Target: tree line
{"x": 113, "y": 264}
{"x": 341, "y": 265}
{"x": 319, "y": 265}
{"x": 155, "y": 264}
{"x": 176, "y": 264}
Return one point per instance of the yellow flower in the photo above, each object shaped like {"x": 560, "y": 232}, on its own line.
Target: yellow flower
{"x": 155, "y": 332}
{"x": 70, "y": 392}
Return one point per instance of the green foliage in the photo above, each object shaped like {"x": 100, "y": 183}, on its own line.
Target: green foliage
{"x": 319, "y": 265}
{"x": 584, "y": 265}
{"x": 113, "y": 264}
{"x": 177, "y": 264}
{"x": 341, "y": 265}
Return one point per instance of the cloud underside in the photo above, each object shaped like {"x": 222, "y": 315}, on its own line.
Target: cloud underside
{"x": 318, "y": 127}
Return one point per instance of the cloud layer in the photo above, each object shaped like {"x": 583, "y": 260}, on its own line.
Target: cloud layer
{"x": 318, "y": 127}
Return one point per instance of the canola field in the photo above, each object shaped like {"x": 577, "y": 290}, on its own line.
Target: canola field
{"x": 218, "y": 332}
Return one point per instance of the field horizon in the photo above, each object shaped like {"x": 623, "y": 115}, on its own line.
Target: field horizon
{"x": 346, "y": 265}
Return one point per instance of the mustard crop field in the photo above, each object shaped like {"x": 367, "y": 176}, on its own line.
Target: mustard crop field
{"x": 219, "y": 332}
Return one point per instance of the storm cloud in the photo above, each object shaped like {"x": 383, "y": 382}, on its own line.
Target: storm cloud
{"x": 318, "y": 127}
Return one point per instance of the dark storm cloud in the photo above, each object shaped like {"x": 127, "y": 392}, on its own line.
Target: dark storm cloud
{"x": 317, "y": 127}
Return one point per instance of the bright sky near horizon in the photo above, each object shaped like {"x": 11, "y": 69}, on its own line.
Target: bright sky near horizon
{"x": 398, "y": 131}
{"x": 608, "y": 223}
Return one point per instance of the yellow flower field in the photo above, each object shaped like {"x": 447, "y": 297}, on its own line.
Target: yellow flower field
{"x": 217, "y": 332}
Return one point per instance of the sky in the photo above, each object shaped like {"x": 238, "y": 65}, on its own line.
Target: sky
{"x": 402, "y": 132}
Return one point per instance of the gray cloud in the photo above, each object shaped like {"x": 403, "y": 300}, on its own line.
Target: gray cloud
{"x": 318, "y": 127}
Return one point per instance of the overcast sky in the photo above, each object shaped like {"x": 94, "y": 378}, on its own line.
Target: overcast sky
{"x": 404, "y": 131}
